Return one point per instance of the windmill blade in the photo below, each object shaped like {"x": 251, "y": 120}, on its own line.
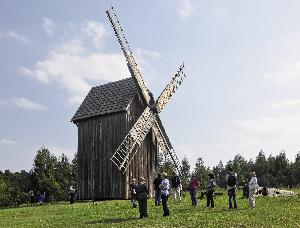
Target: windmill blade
{"x": 170, "y": 89}
{"x": 165, "y": 143}
{"x": 131, "y": 63}
{"x": 129, "y": 146}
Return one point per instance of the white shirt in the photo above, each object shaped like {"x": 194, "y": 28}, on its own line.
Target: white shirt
{"x": 253, "y": 183}
{"x": 165, "y": 185}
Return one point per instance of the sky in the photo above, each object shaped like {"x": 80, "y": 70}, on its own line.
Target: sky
{"x": 241, "y": 94}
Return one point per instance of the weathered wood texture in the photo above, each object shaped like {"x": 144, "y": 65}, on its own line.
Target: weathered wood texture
{"x": 98, "y": 139}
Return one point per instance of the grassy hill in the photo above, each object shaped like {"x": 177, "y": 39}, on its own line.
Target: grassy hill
{"x": 270, "y": 211}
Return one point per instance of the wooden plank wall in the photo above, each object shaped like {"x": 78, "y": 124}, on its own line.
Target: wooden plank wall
{"x": 98, "y": 139}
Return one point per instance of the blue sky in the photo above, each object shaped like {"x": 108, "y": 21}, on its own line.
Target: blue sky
{"x": 242, "y": 61}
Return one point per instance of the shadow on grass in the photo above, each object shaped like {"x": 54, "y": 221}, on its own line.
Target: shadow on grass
{"x": 110, "y": 220}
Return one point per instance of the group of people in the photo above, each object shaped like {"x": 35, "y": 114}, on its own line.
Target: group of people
{"x": 164, "y": 187}
{"x": 38, "y": 197}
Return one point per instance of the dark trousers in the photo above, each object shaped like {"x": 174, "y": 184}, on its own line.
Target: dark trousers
{"x": 31, "y": 200}
{"x": 143, "y": 208}
{"x": 210, "y": 199}
{"x": 232, "y": 196}
{"x": 157, "y": 197}
{"x": 164, "y": 200}
{"x": 193, "y": 197}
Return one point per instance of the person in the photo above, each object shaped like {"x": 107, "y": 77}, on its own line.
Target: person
{"x": 133, "y": 187}
{"x": 176, "y": 185}
{"x": 193, "y": 185}
{"x": 142, "y": 197}
{"x": 72, "y": 194}
{"x": 252, "y": 188}
{"x": 31, "y": 195}
{"x": 165, "y": 186}
{"x": 42, "y": 198}
{"x": 210, "y": 189}
{"x": 231, "y": 178}
{"x": 156, "y": 183}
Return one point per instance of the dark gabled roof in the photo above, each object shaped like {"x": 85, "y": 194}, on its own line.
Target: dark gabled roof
{"x": 108, "y": 98}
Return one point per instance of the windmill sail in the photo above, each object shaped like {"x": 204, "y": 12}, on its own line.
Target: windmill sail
{"x": 132, "y": 65}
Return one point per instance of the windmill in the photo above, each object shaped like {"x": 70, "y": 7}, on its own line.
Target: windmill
{"x": 120, "y": 131}
{"x": 149, "y": 119}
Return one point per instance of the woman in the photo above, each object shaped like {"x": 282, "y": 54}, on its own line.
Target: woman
{"x": 194, "y": 184}
{"x": 165, "y": 186}
{"x": 252, "y": 188}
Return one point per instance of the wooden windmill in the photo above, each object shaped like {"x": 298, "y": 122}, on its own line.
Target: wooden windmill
{"x": 118, "y": 123}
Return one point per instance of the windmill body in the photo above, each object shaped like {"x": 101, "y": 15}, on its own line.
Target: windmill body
{"x": 120, "y": 132}
{"x": 104, "y": 118}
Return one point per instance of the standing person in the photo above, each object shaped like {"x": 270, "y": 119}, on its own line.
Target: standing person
{"x": 31, "y": 196}
{"x": 142, "y": 197}
{"x": 133, "y": 187}
{"x": 72, "y": 194}
{"x": 156, "y": 183}
{"x": 165, "y": 186}
{"x": 176, "y": 186}
{"x": 253, "y": 185}
{"x": 42, "y": 198}
{"x": 231, "y": 178}
{"x": 194, "y": 184}
{"x": 210, "y": 189}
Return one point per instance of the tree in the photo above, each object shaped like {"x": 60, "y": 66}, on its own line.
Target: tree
{"x": 201, "y": 172}
{"x": 45, "y": 174}
{"x": 220, "y": 174}
{"x": 295, "y": 170}
{"x": 185, "y": 173}
{"x": 166, "y": 165}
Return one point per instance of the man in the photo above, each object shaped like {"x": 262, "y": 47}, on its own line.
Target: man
{"x": 142, "y": 196}
{"x": 231, "y": 178}
{"x": 132, "y": 188}
{"x": 164, "y": 186}
{"x": 176, "y": 185}
{"x": 210, "y": 189}
{"x": 156, "y": 183}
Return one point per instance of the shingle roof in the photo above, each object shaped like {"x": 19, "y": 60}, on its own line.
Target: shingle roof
{"x": 107, "y": 98}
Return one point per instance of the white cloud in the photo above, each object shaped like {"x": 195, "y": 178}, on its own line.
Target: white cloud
{"x": 288, "y": 73}
{"x": 7, "y": 141}
{"x": 74, "y": 68}
{"x": 14, "y": 36}
{"x": 49, "y": 26}
{"x": 27, "y": 104}
{"x": 96, "y": 31}
{"x": 289, "y": 103}
{"x": 144, "y": 53}
{"x": 186, "y": 9}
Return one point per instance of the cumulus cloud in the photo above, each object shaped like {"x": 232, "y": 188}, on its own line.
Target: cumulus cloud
{"x": 289, "y": 103}
{"x": 10, "y": 35}
{"x": 186, "y": 9}
{"x": 96, "y": 31}
{"x": 75, "y": 68}
{"x": 7, "y": 141}
{"x": 48, "y": 26}
{"x": 28, "y": 104}
{"x": 288, "y": 73}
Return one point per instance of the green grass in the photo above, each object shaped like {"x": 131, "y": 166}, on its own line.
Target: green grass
{"x": 270, "y": 211}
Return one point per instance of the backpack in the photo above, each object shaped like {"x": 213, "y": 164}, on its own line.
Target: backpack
{"x": 231, "y": 180}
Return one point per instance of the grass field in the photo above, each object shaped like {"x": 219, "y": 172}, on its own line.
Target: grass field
{"x": 270, "y": 211}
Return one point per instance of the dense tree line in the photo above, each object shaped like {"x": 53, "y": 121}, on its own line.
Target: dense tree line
{"x": 49, "y": 174}
{"x": 272, "y": 171}
{"x": 55, "y": 175}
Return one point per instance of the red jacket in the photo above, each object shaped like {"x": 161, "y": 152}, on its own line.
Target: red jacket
{"x": 194, "y": 184}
